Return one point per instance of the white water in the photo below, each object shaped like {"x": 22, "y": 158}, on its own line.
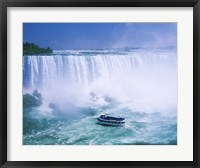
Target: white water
{"x": 147, "y": 79}
{"x": 139, "y": 85}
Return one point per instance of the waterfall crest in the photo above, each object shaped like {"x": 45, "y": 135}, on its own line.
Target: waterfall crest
{"x": 42, "y": 71}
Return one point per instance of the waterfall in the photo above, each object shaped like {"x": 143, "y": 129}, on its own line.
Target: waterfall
{"x": 42, "y": 71}
{"x": 78, "y": 86}
{"x": 147, "y": 77}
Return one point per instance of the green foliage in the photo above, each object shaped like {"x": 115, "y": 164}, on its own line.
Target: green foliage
{"x": 31, "y": 48}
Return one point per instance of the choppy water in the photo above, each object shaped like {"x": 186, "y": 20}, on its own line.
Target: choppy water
{"x": 138, "y": 85}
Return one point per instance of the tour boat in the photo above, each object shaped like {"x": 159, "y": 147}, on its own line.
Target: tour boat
{"x": 110, "y": 121}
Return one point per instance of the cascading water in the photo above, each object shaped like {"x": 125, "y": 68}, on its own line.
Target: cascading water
{"x": 140, "y": 85}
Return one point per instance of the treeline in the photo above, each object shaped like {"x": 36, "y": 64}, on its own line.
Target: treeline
{"x": 31, "y": 48}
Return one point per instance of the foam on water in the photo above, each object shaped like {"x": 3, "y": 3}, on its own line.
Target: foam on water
{"x": 140, "y": 85}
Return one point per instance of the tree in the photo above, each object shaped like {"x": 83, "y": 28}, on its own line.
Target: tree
{"x": 31, "y": 48}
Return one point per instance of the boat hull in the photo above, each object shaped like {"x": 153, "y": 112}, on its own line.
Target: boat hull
{"x": 109, "y": 123}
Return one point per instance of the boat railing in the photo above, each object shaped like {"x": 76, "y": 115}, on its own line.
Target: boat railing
{"x": 111, "y": 118}
{"x": 111, "y": 121}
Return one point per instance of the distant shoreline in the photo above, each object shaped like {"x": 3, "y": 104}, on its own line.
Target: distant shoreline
{"x": 31, "y": 49}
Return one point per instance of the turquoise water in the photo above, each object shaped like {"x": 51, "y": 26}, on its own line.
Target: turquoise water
{"x": 139, "y": 85}
{"x": 141, "y": 128}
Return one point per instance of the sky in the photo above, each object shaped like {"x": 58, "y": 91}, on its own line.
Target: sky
{"x": 76, "y": 36}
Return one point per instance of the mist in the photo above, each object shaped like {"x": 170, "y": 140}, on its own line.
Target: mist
{"x": 145, "y": 80}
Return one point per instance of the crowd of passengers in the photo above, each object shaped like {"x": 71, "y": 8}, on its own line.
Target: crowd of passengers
{"x": 111, "y": 118}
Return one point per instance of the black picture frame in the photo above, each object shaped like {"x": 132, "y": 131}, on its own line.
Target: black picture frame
{"x": 4, "y": 4}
